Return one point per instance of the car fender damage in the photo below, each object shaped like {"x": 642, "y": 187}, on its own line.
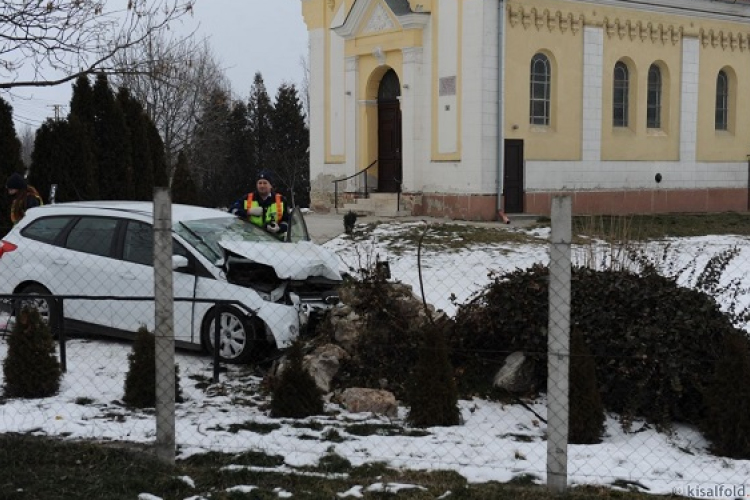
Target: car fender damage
{"x": 311, "y": 282}
{"x": 296, "y": 261}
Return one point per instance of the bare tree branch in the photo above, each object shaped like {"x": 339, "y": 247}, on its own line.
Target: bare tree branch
{"x": 304, "y": 88}
{"x": 173, "y": 79}
{"x": 46, "y": 43}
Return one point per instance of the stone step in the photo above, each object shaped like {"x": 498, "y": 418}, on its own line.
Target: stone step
{"x": 523, "y": 217}
{"x": 383, "y": 197}
{"x": 385, "y": 213}
{"x": 365, "y": 210}
{"x": 354, "y": 207}
{"x": 376, "y": 202}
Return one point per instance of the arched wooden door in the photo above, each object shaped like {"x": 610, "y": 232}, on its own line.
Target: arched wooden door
{"x": 389, "y": 134}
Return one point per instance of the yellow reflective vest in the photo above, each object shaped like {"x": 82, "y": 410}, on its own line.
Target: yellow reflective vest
{"x": 273, "y": 213}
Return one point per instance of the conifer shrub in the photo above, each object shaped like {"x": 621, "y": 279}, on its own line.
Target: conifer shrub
{"x": 140, "y": 381}
{"x": 586, "y": 417}
{"x": 649, "y": 336}
{"x": 350, "y": 219}
{"x": 387, "y": 347}
{"x": 31, "y": 369}
{"x": 432, "y": 396}
{"x": 727, "y": 422}
{"x": 295, "y": 394}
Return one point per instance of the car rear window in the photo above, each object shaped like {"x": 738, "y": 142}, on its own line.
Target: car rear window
{"x": 46, "y": 229}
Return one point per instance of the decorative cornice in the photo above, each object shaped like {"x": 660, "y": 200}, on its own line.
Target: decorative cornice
{"x": 724, "y": 40}
{"x": 731, "y": 10}
{"x": 527, "y": 18}
{"x": 544, "y": 19}
{"x": 638, "y": 30}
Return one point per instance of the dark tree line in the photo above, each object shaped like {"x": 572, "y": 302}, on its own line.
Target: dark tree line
{"x": 107, "y": 148}
{"x": 237, "y": 139}
{"x": 10, "y": 159}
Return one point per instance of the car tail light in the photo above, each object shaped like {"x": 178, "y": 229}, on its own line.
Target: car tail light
{"x": 6, "y": 246}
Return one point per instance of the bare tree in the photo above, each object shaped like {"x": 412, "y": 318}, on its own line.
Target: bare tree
{"x": 46, "y": 43}
{"x": 304, "y": 88}
{"x": 27, "y": 145}
{"x": 177, "y": 79}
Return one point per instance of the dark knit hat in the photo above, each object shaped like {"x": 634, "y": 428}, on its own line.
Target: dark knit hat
{"x": 15, "y": 181}
{"x": 267, "y": 175}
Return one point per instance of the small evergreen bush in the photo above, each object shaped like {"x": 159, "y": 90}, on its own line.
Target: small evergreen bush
{"x": 295, "y": 394}
{"x": 31, "y": 369}
{"x": 586, "y": 418}
{"x": 350, "y": 219}
{"x": 390, "y": 339}
{"x": 432, "y": 394}
{"x": 727, "y": 423}
{"x": 140, "y": 381}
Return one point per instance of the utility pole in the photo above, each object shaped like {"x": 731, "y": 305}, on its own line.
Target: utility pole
{"x": 57, "y": 108}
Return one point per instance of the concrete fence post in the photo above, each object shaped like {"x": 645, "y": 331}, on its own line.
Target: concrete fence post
{"x": 164, "y": 331}
{"x": 558, "y": 345}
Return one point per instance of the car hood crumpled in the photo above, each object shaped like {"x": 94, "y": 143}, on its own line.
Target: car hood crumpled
{"x": 297, "y": 261}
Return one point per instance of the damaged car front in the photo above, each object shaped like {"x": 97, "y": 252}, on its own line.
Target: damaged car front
{"x": 295, "y": 272}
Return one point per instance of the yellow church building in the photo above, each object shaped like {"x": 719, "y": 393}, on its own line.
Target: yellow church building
{"x": 470, "y": 108}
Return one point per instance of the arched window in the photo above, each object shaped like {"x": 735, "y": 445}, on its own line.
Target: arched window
{"x": 620, "y": 95}
{"x": 653, "y": 104}
{"x": 722, "y": 101}
{"x": 541, "y": 81}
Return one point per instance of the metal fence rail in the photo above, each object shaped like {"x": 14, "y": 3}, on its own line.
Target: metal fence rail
{"x": 226, "y": 406}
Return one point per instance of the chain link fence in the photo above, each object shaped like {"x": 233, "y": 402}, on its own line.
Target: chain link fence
{"x": 534, "y": 403}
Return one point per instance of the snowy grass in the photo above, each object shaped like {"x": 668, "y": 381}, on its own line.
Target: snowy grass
{"x": 494, "y": 443}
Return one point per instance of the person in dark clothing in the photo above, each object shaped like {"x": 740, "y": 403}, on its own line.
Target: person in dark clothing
{"x": 22, "y": 196}
{"x": 264, "y": 207}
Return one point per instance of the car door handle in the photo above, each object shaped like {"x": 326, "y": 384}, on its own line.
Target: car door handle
{"x": 127, "y": 276}
{"x": 60, "y": 262}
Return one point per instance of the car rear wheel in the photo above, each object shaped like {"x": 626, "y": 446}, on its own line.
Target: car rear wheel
{"x": 239, "y": 336}
{"x": 46, "y": 307}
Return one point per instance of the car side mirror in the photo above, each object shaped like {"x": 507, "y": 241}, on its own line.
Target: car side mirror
{"x": 179, "y": 262}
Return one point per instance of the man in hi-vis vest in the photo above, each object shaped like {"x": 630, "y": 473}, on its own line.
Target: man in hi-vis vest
{"x": 263, "y": 207}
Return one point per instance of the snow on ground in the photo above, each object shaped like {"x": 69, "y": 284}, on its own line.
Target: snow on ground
{"x": 495, "y": 441}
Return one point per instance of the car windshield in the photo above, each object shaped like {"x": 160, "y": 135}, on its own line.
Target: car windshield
{"x": 205, "y": 234}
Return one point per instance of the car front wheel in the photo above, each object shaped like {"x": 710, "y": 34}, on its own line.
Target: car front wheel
{"x": 46, "y": 307}
{"x": 239, "y": 336}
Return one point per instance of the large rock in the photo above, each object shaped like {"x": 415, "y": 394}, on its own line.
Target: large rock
{"x": 347, "y": 329}
{"x": 361, "y": 400}
{"x": 323, "y": 363}
{"x": 516, "y": 375}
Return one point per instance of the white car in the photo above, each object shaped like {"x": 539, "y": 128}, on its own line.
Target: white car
{"x": 103, "y": 251}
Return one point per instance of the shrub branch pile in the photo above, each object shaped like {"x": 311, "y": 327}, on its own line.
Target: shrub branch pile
{"x": 387, "y": 348}
{"x": 727, "y": 423}
{"x": 655, "y": 343}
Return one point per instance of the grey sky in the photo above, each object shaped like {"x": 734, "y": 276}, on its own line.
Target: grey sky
{"x": 246, "y": 36}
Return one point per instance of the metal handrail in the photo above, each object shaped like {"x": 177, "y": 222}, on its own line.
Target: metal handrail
{"x": 336, "y": 185}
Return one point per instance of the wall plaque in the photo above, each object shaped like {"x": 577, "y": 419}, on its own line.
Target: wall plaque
{"x": 447, "y": 85}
